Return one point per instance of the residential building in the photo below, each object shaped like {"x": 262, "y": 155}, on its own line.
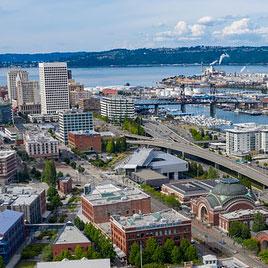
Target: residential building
{"x": 29, "y": 199}
{"x": 65, "y": 185}
{"x": 13, "y": 134}
{"x": 186, "y": 190}
{"x": 74, "y": 120}
{"x": 103, "y": 201}
{"x": 54, "y": 90}
{"x": 85, "y": 141}
{"x": 243, "y": 215}
{"x": 117, "y": 108}
{"x": 6, "y": 114}
{"x": 161, "y": 162}
{"x": 12, "y": 77}
{"x": 77, "y": 93}
{"x": 69, "y": 238}
{"x": 247, "y": 138}
{"x": 227, "y": 196}
{"x": 41, "y": 145}
{"x": 83, "y": 263}
{"x": 8, "y": 166}
{"x": 162, "y": 225}
{"x": 91, "y": 104}
{"x": 12, "y": 233}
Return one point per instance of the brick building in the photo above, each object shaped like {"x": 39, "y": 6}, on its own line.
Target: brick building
{"x": 159, "y": 225}
{"x": 65, "y": 185}
{"x": 244, "y": 215}
{"x": 69, "y": 239}
{"x": 106, "y": 200}
{"x": 85, "y": 141}
{"x": 227, "y": 196}
{"x": 91, "y": 104}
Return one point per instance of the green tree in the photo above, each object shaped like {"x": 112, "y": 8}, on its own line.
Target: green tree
{"x": 212, "y": 173}
{"x": 36, "y": 173}
{"x": 159, "y": 255}
{"x": 53, "y": 198}
{"x": 154, "y": 265}
{"x": 73, "y": 165}
{"x": 177, "y": 255}
{"x": 259, "y": 223}
{"x": 2, "y": 264}
{"x": 59, "y": 174}
{"x": 65, "y": 254}
{"x": 134, "y": 251}
{"x": 168, "y": 247}
{"x": 191, "y": 253}
{"x": 47, "y": 254}
{"x": 251, "y": 244}
{"x": 264, "y": 256}
{"x": 79, "y": 224}
{"x": 79, "y": 253}
{"x": 149, "y": 250}
{"x": 49, "y": 172}
{"x": 239, "y": 230}
{"x": 110, "y": 148}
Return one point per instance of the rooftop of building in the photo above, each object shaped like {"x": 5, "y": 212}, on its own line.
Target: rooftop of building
{"x": 7, "y": 219}
{"x": 6, "y": 153}
{"x": 244, "y": 212}
{"x": 38, "y": 137}
{"x": 85, "y": 132}
{"x": 164, "y": 218}
{"x": 117, "y": 98}
{"x": 11, "y": 129}
{"x": 148, "y": 174}
{"x": 247, "y": 127}
{"x": 110, "y": 194}
{"x": 83, "y": 263}
{"x": 19, "y": 194}
{"x": 148, "y": 157}
{"x": 73, "y": 112}
{"x": 71, "y": 235}
{"x": 65, "y": 178}
{"x": 190, "y": 187}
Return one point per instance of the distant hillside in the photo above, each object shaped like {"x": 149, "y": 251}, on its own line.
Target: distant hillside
{"x": 125, "y": 57}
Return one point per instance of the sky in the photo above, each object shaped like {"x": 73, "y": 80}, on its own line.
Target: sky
{"x": 31, "y": 26}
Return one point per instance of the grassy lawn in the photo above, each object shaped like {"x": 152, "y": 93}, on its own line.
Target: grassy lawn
{"x": 26, "y": 264}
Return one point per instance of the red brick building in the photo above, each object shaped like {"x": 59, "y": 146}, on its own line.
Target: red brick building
{"x": 160, "y": 225}
{"x": 85, "y": 141}
{"x": 227, "y": 196}
{"x": 107, "y": 200}
{"x": 65, "y": 185}
{"x": 69, "y": 239}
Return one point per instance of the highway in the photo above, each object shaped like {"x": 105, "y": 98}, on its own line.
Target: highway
{"x": 168, "y": 139}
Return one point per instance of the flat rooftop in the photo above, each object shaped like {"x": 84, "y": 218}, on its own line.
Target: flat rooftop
{"x": 83, "y": 263}
{"x": 70, "y": 235}
{"x": 85, "y": 132}
{"x": 148, "y": 174}
{"x": 7, "y": 219}
{"x": 6, "y": 153}
{"x": 111, "y": 194}
{"x": 191, "y": 187}
{"x": 243, "y": 213}
{"x": 39, "y": 137}
{"x": 163, "y": 218}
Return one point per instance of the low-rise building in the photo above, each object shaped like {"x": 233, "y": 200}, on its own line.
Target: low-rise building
{"x": 13, "y": 134}
{"x": 6, "y": 114}
{"x": 103, "y": 201}
{"x": 150, "y": 177}
{"x": 30, "y": 108}
{"x": 65, "y": 185}
{"x": 8, "y": 166}
{"x": 12, "y": 233}
{"x": 161, "y": 162}
{"x": 41, "y": 145}
{"x": 91, "y": 104}
{"x": 85, "y": 141}
{"x": 140, "y": 227}
{"x": 186, "y": 190}
{"x": 243, "y": 215}
{"x": 69, "y": 238}
{"x": 83, "y": 263}
{"x": 43, "y": 118}
{"x": 28, "y": 199}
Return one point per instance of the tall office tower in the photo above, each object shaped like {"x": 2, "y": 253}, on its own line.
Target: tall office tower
{"x": 27, "y": 92}
{"x": 74, "y": 120}
{"x": 53, "y": 87}
{"x": 11, "y": 81}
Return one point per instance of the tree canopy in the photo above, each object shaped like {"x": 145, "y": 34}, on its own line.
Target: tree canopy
{"x": 49, "y": 172}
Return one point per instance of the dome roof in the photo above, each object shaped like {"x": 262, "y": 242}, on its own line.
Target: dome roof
{"x": 229, "y": 187}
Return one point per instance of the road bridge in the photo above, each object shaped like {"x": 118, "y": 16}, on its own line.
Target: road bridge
{"x": 218, "y": 160}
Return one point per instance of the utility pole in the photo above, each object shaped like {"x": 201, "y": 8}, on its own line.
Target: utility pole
{"x": 141, "y": 253}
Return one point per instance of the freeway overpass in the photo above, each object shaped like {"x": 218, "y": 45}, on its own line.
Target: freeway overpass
{"x": 220, "y": 161}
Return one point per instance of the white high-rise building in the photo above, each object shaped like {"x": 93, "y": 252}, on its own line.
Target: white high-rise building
{"x": 74, "y": 120}
{"x": 12, "y": 79}
{"x": 247, "y": 138}
{"x": 54, "y": 87}
{"x": 117, "y": 108}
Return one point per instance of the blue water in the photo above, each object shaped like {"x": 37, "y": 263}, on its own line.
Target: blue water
{"x": 149, "y": 76}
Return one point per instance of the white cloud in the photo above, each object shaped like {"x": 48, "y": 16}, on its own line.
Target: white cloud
{"x": 206, "y": 20}
{"x": 237, "y": 28}
{"x": 181, "y": 28}
{"x": 198, "y": 29}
